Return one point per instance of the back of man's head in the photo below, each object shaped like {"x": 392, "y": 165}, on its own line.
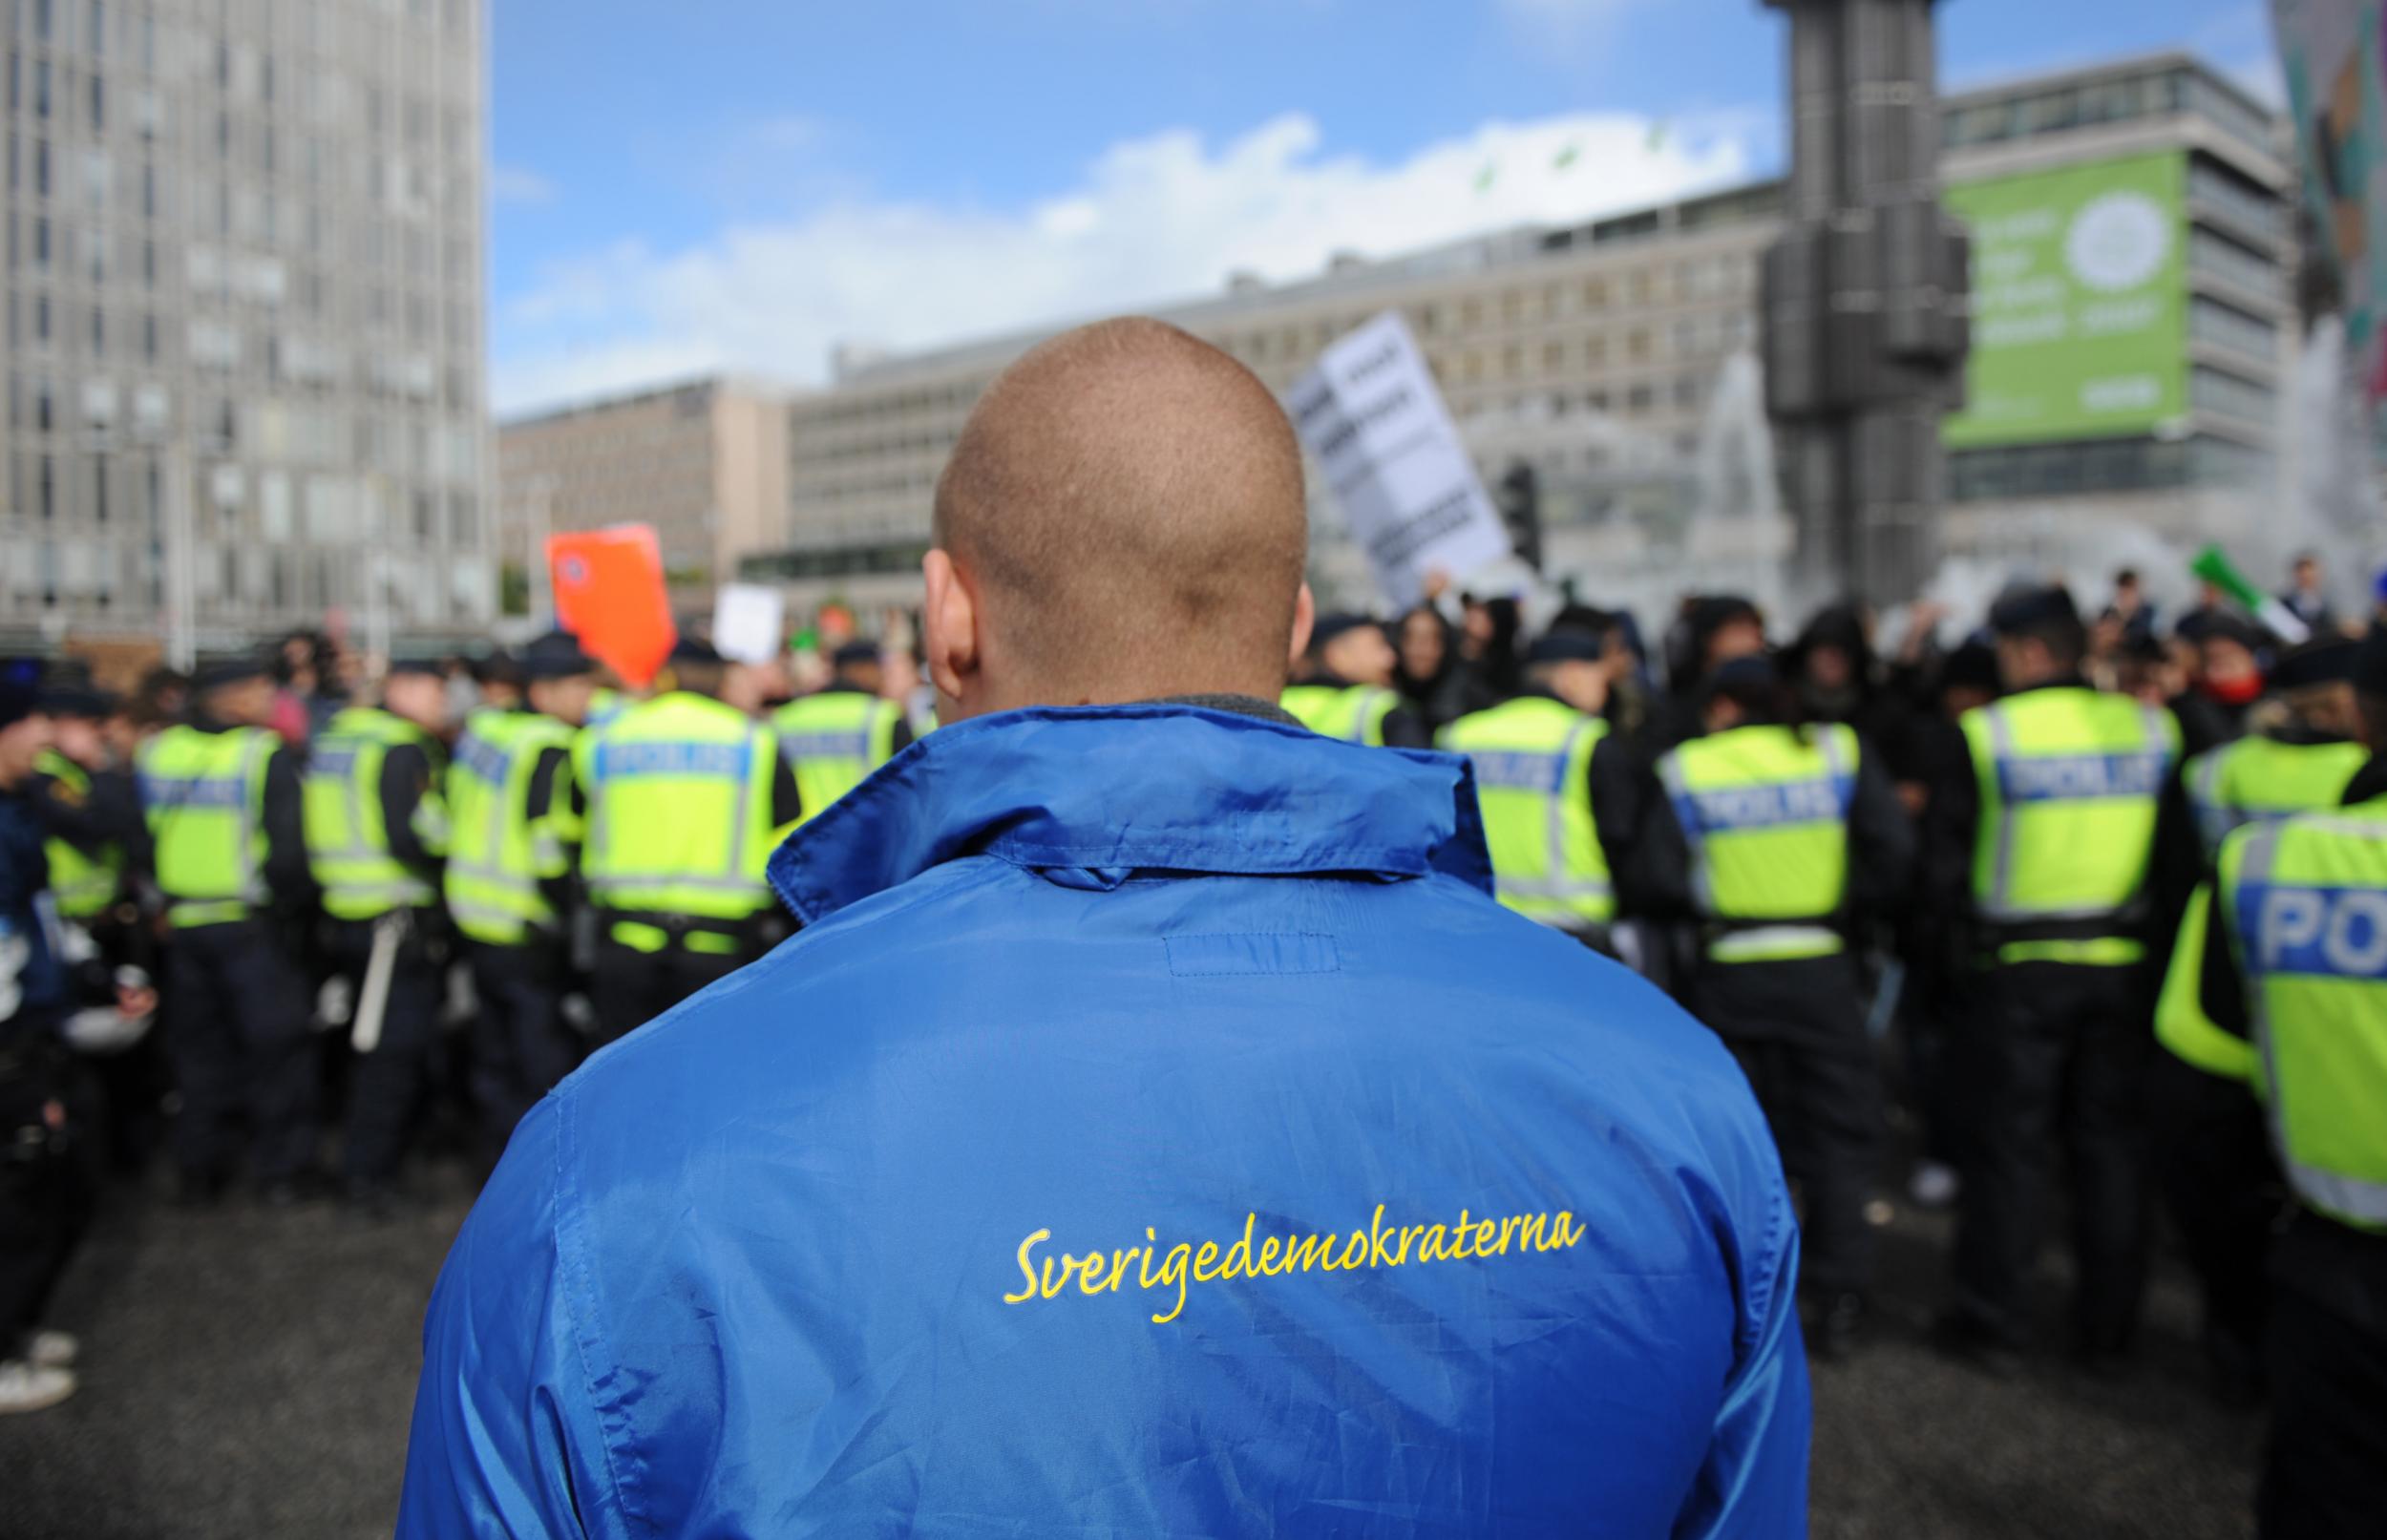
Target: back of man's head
{"x": 1122, "y": 519}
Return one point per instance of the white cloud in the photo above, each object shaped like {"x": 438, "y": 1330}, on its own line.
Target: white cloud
{"x": 520, "y": 185}
{"x": 1152, "y": 220}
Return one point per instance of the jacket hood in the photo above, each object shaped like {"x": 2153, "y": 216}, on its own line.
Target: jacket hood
{"x": 1087, "y": 795}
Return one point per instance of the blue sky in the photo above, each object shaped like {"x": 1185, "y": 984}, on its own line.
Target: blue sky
{"x": 754, "y": 181}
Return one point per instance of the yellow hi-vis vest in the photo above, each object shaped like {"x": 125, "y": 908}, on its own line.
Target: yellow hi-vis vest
{"x": 497, "y": 854}
{"x": 679, "y": 813}
{"x": 1354, "y": 713}
{"x": 2262, "y": 780}
{"x": 2305, "y": 903}
{"x": 2071, "y": 781}
{"x": 203, "y": 796}
{"x": 82, "y": 886}
{"x": 1532, "y": 760}
{"x": 833, "y": 740}
{"x": 348, "y": 847}
{"x": 1765, "y": 814}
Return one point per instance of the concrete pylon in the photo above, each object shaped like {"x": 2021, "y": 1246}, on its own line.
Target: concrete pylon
{"x": 1866, "y": 298}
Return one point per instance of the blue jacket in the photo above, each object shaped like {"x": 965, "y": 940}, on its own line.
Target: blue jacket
{"x": 1156, "y": 1128}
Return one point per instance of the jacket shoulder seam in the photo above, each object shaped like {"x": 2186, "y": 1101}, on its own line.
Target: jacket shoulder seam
{"x": 580, "y": 1289}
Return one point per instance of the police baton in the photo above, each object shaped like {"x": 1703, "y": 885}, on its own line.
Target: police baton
{"x": 373, "y": 999}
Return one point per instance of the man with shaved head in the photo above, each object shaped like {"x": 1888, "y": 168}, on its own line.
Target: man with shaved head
{"x": 1157, "y": 1127}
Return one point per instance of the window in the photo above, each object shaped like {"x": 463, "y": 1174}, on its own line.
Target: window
{"x": 2212, "y": 391}
{"x": 96, "y": 12}
{"x": 41, "y": 168}
{"x": 99, "y": 101}
{"x": 2220, "y": 257}
{"x": 2225, "y": 325}
{"x": 45, "y": 488}
{"x": 99, "y": 488}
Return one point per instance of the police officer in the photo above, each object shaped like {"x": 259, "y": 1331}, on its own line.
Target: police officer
{"x": 2300, "y": 759}
{"x": 2279, "y": 982}
{"x": 375, "y": 832}
{"x": 223, "y": 799}
{"x": 89, "y": 807}
{"x": 836, "y": 737}
{"x": 514, "y": 836}
{"x": 1778, "y": 840}
{"x": 1347, "y": 693}
{"x": 2052, "y": 839}
{"x": 687, "y": 797}
{"x": 1555, "y": 788}
{"x": 40, "y": 1205}
{"x": 2210, "y": 1150}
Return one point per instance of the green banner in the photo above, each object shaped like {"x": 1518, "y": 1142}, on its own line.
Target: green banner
{"x": 2080, "y": 301}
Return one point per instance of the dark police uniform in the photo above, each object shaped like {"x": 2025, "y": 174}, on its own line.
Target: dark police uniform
{"x": 223, "y": 807}
{"x": 1776, "y": 842}
{"x": 2054, "y": 844}
{"x": 2279, "y": 984}
{"x": 373, "y": 836}
{"x": 42, "y": 1201}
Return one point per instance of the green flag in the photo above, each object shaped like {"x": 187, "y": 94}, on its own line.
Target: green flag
{"x": 2215, "y": 568}
{"x": 1483, "y": 178}
{"x": 1565, "y": 157}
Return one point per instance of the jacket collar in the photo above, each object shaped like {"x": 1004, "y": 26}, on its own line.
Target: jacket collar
{"x": 1088, "y": 795}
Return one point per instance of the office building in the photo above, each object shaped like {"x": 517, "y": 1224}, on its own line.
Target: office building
{"x": 244, "y": 320}
{"x": 705, "y": 463}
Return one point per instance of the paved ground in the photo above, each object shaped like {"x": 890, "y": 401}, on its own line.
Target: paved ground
{"x": 249, "y": 1375}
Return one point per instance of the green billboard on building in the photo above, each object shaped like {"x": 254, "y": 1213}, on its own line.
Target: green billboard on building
{"x": 2080, "y": 301}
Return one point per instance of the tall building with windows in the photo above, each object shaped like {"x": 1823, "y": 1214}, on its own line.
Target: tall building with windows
{"x": 2132, "y": 267}
{"x": 243, "y": 319}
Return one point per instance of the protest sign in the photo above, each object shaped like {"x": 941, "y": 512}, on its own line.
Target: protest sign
{"x": 1371, "y": 416}
{"x": 609, "y": 593}
{"x": 748, "y": 620}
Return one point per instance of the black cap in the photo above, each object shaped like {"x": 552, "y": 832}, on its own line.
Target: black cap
{"x": 1331, "y": 626}
{"x": 20, "y": 689}
{"x": 1567, "y": 645}
{"x": 2328, "y": 661}
{"x": 2021, "y": 611}
{"x": 557, "y": 655}
{"x": 1972, "y": 665}
{"x": 431, "y": 667}
{"x": 230, "y": 668}
{"x": 695, "y": 649}
{"x": 73, "y": 699}
{"x": 856, "y": 651}
{"x": 2370, "y": 665}
{"x": 498, "y": 666}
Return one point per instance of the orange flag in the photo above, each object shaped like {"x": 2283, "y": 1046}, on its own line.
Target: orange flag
{"x": 609, "y": 594}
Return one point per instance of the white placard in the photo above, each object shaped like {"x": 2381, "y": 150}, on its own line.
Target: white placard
{"x": 1370, "y": 414}
{"x": 746, "y": 622}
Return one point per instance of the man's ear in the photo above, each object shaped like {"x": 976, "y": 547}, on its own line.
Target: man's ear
{"x": 1304, "y": 621}
{"x": 948, "y": 628}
